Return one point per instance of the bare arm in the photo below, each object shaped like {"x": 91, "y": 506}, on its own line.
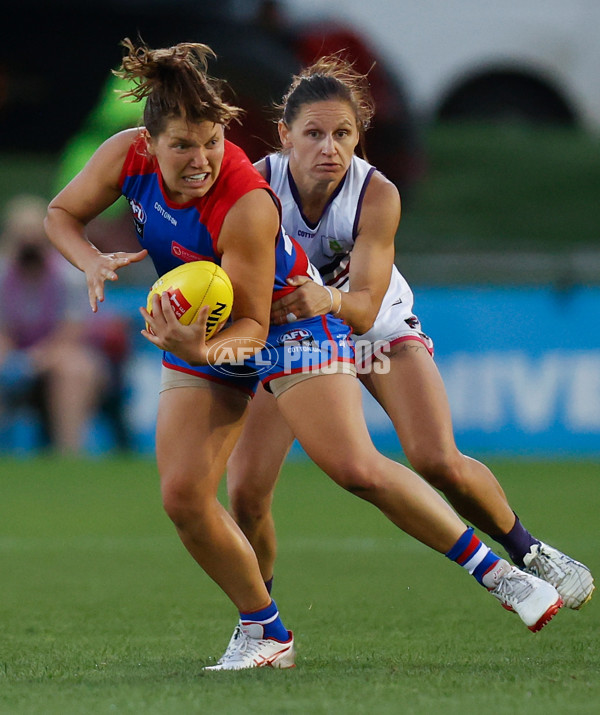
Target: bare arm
{"x": 248, "y": 240}
{"x": 370, "y": 266}
{"x": 92, "y": 191}
{"x": 372, "y": 255}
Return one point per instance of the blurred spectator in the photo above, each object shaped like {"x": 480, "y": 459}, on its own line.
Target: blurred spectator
{"x": 54, "y": 359}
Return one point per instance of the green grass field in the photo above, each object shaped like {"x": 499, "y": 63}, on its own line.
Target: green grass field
{"x": 103, "y": 611}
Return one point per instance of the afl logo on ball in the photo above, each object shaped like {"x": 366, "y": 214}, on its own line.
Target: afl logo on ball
{"x": 296, "y": 335}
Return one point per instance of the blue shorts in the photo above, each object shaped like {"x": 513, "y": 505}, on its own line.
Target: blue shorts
{"x": 313, "y": 344}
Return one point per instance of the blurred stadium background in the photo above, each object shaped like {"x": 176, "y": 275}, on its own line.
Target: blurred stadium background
{"x": 488, "y": 121}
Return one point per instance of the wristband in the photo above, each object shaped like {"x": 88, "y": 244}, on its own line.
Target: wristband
{"x": 336, "y": 312}
{"x": 328, "y": 289}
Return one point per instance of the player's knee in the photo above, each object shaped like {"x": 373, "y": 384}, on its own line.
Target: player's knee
{"x": 443, "y": 469}
{"x": 180, "y": 502}
{"x": 359, "y": 477}
{"x": 247, "y": 506}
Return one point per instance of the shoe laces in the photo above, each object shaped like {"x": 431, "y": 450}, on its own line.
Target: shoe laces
{"x": 545, "y": 566}
{"x": 243, "y": 644}
{"x": 513, "y": 588}
{"x": 232, "y": 646}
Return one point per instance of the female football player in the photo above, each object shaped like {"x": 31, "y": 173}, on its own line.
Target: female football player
{"x": 345, "y": 214}
{"x": 195, "y": 195}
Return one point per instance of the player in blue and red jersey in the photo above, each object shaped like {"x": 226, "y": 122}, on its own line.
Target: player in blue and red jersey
{"x": 194, "y": 195}
{"x": 174, "y": 232}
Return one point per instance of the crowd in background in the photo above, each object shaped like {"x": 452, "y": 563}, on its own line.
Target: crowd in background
{"x": 58, "y": 368}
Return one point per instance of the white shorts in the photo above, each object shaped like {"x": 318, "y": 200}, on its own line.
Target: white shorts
{"x": 394, "y": 323}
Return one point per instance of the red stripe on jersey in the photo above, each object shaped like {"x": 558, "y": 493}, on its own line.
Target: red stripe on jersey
{"x": 338, "y": 276}
{"x": 137, "y": 161}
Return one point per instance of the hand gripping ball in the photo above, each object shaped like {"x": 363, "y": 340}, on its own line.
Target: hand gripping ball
{"x": 193, "y": 285}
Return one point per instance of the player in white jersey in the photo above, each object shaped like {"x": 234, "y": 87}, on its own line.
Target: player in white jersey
{"x": 329, "y": 244}
{"x": 345, "y": 214}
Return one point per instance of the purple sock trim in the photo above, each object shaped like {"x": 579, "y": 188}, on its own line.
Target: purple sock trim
{"x": 517, "y": 542}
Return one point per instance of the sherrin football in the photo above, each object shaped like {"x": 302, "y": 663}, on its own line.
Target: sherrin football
{"x": 193, "y": 285}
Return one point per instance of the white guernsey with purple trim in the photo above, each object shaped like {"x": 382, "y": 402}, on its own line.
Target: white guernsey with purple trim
{"x": 329, "y": 243}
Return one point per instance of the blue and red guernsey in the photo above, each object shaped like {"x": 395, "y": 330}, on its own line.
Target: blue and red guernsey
{"x": 179, "y": 233}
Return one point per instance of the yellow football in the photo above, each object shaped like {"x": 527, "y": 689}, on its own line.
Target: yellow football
{"x": 193, "y": 285}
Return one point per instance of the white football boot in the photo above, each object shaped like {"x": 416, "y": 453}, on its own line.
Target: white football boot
{"x": 249, "y": 649}
{"x": 535, "y": 601}
{"x": 233, "y": 642}
{"x": 571, "y": 579}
